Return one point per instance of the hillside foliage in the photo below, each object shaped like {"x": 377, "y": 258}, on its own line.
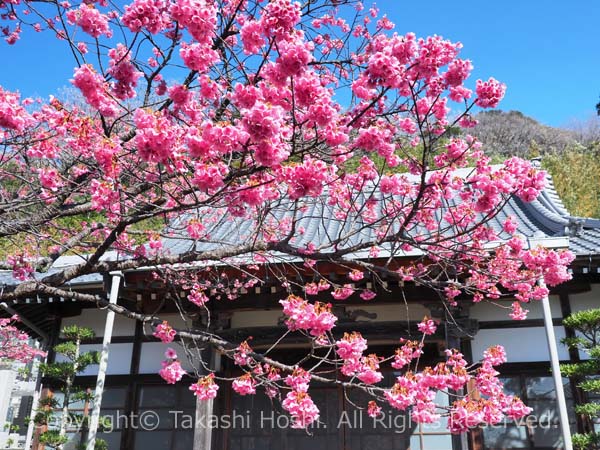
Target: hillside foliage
{"x": 570, "y": 154}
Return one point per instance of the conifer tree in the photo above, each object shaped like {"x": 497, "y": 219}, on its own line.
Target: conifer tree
{"x": 587, "y": 326}
{"x": 57, "y": 414}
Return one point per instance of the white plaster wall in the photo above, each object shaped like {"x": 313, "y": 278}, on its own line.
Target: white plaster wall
{"x": 154, "y": 352}
{"x": 586, "y": 300}
{"x": 521, "y": 344}
{"x": 119, "y": 358}
{"x": 95, "y": 319}
{"x": 500, "y": 310}
{"x": 583, "y": 301}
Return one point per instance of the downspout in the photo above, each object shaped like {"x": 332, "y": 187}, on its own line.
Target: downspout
{"x": 108, "y": 329}
{"x": 45, "y": 340}
{"x": 555, "y": 363}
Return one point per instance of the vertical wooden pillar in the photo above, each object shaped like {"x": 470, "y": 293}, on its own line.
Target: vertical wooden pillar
{"x": 203, "y": 432}
{"x": 205, "y": 409}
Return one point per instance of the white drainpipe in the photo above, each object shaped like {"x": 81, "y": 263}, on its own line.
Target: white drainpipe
{"x": 108, "y": 329}
{"x": 555, "y": 362}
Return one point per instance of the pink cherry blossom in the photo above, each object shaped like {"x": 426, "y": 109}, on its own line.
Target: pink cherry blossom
{"x": 402, "y": 395}
{"x": 280, "y": 16}
{"x": 198, "y": 56}
{"x": 155, "y": 138}
{"x": 351, "y": 346}
{"x": 356, "y": 275}
{"x": 458, "y": 71}
{"x": 427, "y": 326}
{"x": 148, "y": 14}
{"x": 315, "y": 318}
{"x": 464, "y": 414}
{"x": 171, "y": 371}
{"x": 342, "y": 293}
{"x": 93, "y": 89}
{"x": 302, "y": 409}
{"x": 294, "y": 57}
{"x": 123, "y": 71}
{"x": 90, "y": 20}
{"x": 495, "y": 355}
{"x": 373, "y": 409}
{"x": 205, "y": 388}
{"x": 14, "y": 342}
{"x": 489, "y": 93}
{"x": 165, "y": 333}
{"x": 369, "y": 373}
{"x": 197, "y": 295}
{"x": 12, "y": 115}
{"x": 241, "y": 355}
{"x": 367, "y": 295}
{"x": 298, "y": 380}
{"x": 244, "y": 385}
{"x": 517, "y": 409}
{"x": 198, "y": 16}
{"x": 405, "y": 354}
{"x": 252, "y": 39}
{"x": 518, "y": 313}
{"x": 170, "y": 353}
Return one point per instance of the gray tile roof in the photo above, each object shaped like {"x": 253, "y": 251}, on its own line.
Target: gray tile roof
{"x": 546, "y": 217}
{"x": 6, "y": 278}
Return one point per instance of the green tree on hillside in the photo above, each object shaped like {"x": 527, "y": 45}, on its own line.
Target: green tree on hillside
{"x": 576, "y": 172}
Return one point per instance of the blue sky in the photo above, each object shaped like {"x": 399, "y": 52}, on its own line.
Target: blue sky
{"x": 547, "y": 52}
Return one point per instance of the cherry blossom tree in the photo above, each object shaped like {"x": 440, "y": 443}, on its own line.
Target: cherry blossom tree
{"x": 266, "y": 116}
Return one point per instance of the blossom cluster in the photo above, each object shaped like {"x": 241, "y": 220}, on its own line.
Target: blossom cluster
{"x": 12, "y": 114}
{"x": 21, "y": 265}
{"x": 417, "y": 390}
{"x": 171, "y": 370}
{"x": 301, "y": 315}
{"x": 14, "y": 342}
{"x": 148, "y": 14}
{"x": 366, "y": 368}
{"x": 155, "y": 137}
{"x": 298, "y": 402}
{"x": 90, "y": 20}
{"x": 94, "y": 90}
{"x": 123, "y": 71}
{"x": 165, "y": 332}
{"x": 205, "y": 388}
